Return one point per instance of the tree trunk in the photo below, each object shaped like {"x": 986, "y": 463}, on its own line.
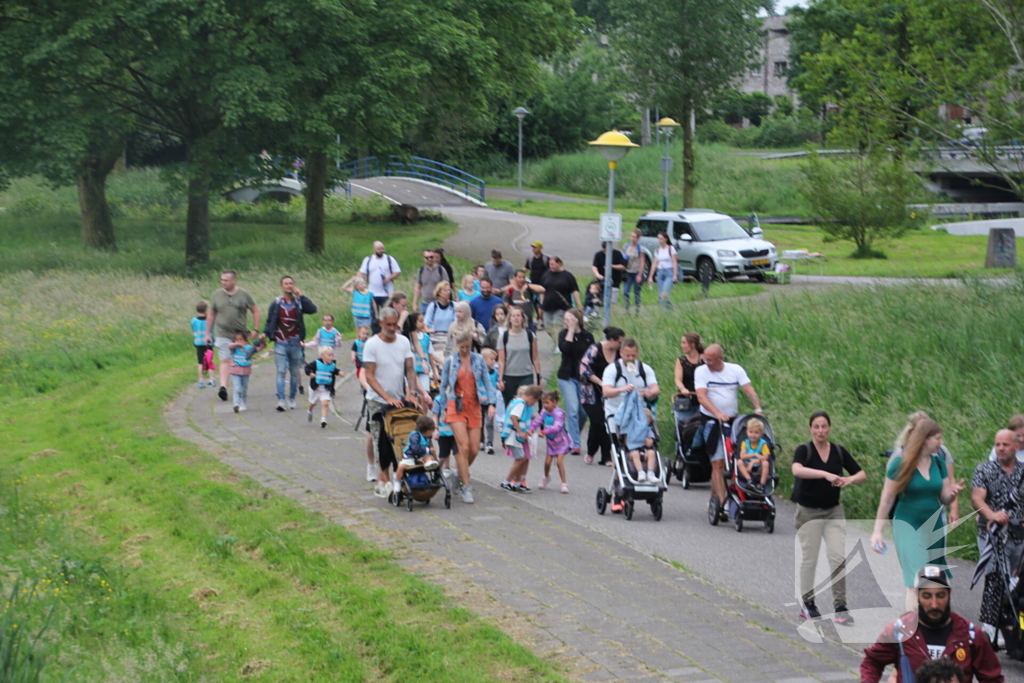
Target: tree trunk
{"x": 316, "y": 188}
{"x": 97, "y": 226}
{"x": 645, "y": 126}
{"x": 197, "y": 220}
{"x": 689, "y": 154}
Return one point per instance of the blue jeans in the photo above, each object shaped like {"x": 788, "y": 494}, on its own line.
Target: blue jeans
{"x": 637, "y": 287}
{"x": 288, "y": 357}
{"x": 574, "y": 415}
{"x": 241, "y": 386}
{"x": 664, "y": 278}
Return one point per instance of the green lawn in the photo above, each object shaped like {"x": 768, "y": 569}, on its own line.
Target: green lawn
{"x": 159, "y": 563}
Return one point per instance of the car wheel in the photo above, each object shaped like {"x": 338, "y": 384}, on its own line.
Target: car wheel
{"x": 758, "y": 277}
{"x": 705, "y": 270}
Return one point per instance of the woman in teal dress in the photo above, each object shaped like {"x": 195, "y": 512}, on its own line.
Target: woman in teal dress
{"x": 918, "y": 482}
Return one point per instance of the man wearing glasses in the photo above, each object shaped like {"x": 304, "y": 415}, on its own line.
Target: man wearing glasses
{"x": 430, "y": 275}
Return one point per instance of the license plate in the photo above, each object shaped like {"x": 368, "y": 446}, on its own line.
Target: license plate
{"x": 760, "y": 262}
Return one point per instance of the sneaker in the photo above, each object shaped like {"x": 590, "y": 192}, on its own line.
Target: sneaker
{"x": 565, "y": 488}
{"x": 280, "y": 406}
{"x": 432, "y": 465}
{"x": 490, "y": 449}
{"x": 617, "y": 506}
{"x": 309, "y": 415}
{"x": 508, "y": 486}
{"x": 302, "y": 389}
{"x": 589, "y": 460}
{"x": 371, "y": 471}
{"x": 202, "y": 385}
{"x": 243, "y": 407}
{"x": 382, "y": 490}
{"x": 211, "y": 384}
{"x": 482, "y": 446}
{"x": 641, "y": 477}
{"x": 523, "y": 488}
{"x": 467, "y": 494}
{"x": 323, "y": 423}
{"x": 291, "y": 404}
{"x": 575, "y": 451}
{"x": 222, "y": 393}
{"x": 990, "y": 631}
{"x": 723, "y": 516}
{"x": 543, "y": 483}
{"x": 810, "y": 611}
{"x": 407, "y": 463}
{"x": 237, "y": 407}
{"x": 843, "y": 616}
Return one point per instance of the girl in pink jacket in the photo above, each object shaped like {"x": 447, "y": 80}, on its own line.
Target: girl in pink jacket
{"x": 551, "y": 423}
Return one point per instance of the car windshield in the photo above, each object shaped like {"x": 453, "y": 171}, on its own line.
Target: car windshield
{"x": 724, "y": 229}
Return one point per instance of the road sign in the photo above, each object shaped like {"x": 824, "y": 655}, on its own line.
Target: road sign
{"x": 611, "y": 227}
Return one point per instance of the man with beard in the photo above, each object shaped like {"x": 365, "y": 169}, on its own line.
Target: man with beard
{"x": 935, "y": 631}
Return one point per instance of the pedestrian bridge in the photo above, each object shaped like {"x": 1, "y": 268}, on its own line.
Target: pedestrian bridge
{"x": 420, "y": 169}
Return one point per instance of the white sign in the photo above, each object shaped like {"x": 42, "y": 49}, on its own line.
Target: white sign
{"x": 611, "y": 227}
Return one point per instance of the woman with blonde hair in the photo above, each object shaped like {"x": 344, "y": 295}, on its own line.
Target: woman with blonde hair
{"x": 918, "y": 481}
{"x": 943, "y": 452}
{"x": 464, "y": 323}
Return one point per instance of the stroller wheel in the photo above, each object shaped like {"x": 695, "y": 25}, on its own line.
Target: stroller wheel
{"x": 769, "y": 523}
{"x": 448, "y": 500}
{"x": 656, "y": 509}
{"x": 627, "y": 510}
{"x": 713, "y": 510}
{"x": 408, "y": 503}
{"x": 684, "y": 478}
{"x": 396, "y": 498}
{"x": 739, "y": 523}
{"x": 602, "y": 501}
{"x": 668, "y": 475}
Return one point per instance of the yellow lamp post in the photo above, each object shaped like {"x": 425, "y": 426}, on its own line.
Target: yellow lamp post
{"x": 666, "y": 126}
{"x": 613, "y": 146}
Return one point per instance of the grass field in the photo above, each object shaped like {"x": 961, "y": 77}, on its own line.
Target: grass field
{"x": 870, "y": 357}
{"x": 156, "y": 562}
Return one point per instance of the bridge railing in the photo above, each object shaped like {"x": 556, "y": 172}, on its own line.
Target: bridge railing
{"x": 418, "y": 168}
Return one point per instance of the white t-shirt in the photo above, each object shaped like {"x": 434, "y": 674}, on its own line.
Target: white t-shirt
{"x": 663, "y": 257}
{"x": 516, "y": 411}
{"x": 390, "y": 369}
{"x": 375, "y": 269}
{"x": 630, "y": 373}
{"x": 722, "y": 386}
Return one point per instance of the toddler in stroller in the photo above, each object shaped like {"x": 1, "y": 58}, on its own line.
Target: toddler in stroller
{"x": 749, "y": 493}
{"x": 752, "y": 466}
{"x": 417, "y": 448}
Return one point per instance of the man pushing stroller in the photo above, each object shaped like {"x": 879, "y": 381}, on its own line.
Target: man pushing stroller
{"x": 622, "y": 377}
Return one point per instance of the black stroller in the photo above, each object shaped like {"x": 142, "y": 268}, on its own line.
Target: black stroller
{"x": 692, "y": 465}
{"x": 746, "y": 500}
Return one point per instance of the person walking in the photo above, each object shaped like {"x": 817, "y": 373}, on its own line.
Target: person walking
{"x": 428, "y": 277}
{"x": 439, "y": 317}
{"x": 561, "y": 292}
{"x": 498, "y": 271}
{"x": 227, "y": 316}
{"x": 619, "y": 264}
{"x": 665, "y": 269}
{"x": 598, "y": 357}
{"x": 818, "y": 467}
{"x": 467, "y": 391}
{"x": 483, "y": 303}
{"x": 636, "y": 261}
{"x": 523, "y": 295}
{"x": 464, "y": 322}
{"x": 573, "y": 342}
{"x": 997, "y": 495}
{"x": 390, "y": 375}
{"x": 518, "y": 357}
{"x": 943, "y": 452}
{"x": 916, "y": 479}
{"x": 686, "y": 404}
{"x": 380, "y": 270}
{"x": 286, "y": 327}
{"x": 537, "y": 266}
{"x": 499, "y": 323}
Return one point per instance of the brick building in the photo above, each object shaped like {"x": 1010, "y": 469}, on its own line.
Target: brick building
{"x": 769, "y": 76}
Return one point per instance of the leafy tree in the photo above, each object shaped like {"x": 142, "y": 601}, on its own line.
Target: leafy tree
{"x": 757, "y": 106}
{"x": 684, "y": 53}
{"x": 783, "y": 105}
{"x": 861, "y": 197}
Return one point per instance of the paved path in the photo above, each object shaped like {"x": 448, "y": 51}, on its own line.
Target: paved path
{"x": 512, "y": 194}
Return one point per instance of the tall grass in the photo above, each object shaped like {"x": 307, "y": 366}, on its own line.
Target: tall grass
{"x": 869, "y": 357}
{"x": 726, "y": 182}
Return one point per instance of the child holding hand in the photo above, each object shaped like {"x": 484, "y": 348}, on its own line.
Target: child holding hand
{"x": 551, "y": 423}
{"x": 242, "y": 351}
{"x": 516, "y": 434}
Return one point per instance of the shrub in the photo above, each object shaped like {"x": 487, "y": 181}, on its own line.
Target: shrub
{"x": 716, "y": 130}
{"x": 786, "y": 131}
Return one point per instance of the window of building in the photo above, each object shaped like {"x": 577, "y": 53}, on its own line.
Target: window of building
{"x": 780, "y": 69}
{"x": 755, "y": 70}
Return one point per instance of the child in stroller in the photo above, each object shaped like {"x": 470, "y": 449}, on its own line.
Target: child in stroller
{"x": 417, "y": 448}
{"x": 753, "y": 463}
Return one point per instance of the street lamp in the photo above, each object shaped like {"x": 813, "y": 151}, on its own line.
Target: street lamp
{"x": 613, "y": 146}
{"x": 665, "y": 126}
{"x": 520, "y": 113}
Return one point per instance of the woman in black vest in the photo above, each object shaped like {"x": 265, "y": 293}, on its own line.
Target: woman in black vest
{"x": 595, "y": 360}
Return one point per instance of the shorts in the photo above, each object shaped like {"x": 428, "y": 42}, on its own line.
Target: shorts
{"x": 712, "y": 431}
{"x": 519, "y": 452}
{"x": 446, "y": 446}
{"x": 319, "y": 394}
{"x": 471, "y": 415}
{"x": 221, "y": 344}
{"x": 361, "y": 322}
{"x": 201, "y": 354}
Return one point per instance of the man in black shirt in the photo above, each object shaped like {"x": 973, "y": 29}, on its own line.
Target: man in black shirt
{"x": 560, "y": 294}
{"x": 619, "y": 263}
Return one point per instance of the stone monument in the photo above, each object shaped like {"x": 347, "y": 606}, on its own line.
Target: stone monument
{"x": 1002, "y": 248}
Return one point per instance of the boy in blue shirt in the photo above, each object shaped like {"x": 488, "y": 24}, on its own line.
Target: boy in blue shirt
{"x": 321, "y": 383}
{"x": 202, "y": 348}
{"x": 417, "y": 449}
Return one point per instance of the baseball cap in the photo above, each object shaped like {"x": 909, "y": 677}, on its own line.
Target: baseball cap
{"x": 931, "y": 574}
{"x": 538, "y": 244}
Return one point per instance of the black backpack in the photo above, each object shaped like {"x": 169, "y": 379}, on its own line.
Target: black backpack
{"x": 530, "y": 337}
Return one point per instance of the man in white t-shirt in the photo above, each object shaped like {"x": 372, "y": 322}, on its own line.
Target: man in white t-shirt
{"x": 718, "y": 384}
{"x": 625, "y": 375}
{"x": 391, "y": 377}
{"x": 380, "y": 270}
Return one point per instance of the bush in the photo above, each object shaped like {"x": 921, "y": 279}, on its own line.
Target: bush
{"x": 716, "y": 131}
{"x": 28, "y": 206}
{"x": 786, "y": 131}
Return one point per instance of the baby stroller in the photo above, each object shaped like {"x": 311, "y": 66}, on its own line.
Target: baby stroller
{"x": 745, "y": 500}
{"x": 692, "y": 465}
{"x": 624, "y": 485}
{"x": 418, "y": 484}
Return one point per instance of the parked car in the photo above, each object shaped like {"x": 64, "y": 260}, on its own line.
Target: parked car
{"x": 709, "y": 242}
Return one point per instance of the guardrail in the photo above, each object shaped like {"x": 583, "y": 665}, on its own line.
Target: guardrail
{"x": 418, "y": 168}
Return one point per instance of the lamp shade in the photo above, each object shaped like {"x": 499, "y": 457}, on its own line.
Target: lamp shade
{"x": 520, "y": 112}
{"x": 613, "y": 145}
{"x": 666, "y": 125}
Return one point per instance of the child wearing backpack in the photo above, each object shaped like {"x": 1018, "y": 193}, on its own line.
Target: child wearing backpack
{"x": 204, "y": 357}
{"x": 516, "y": 433}
{"x": 322, "y": 373}
{"x": 551, "y": 423}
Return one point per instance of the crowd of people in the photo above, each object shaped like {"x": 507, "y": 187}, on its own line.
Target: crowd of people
{"x": 469, "y": 360}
